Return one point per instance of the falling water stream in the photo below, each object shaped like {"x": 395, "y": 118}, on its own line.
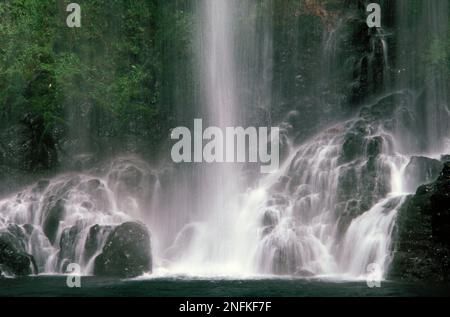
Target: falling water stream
{"x": 328, "y": 211}
{"x": 293, "y": 229}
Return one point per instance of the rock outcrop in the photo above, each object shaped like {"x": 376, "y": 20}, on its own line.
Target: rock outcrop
{"x": 126, "y": 253}
{"x": 422, "y": 250}
{"x": 14, "y": 261}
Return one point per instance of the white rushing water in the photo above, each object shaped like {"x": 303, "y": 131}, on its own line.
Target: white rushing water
{"x": 328, "y": 211}
{"x": 275, "y": 227}
{"x": 68, "y": 218}
{"x": 214, "y": 244}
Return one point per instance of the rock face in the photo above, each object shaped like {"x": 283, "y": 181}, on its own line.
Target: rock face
{"x": 93, "y": 240}
{"x": 422, "y": 250}
{"x": 126, "y": 253}
{"x": 54, "y": 206}
{"x": 67, "y": 246}
{"x": 13, "y": 258}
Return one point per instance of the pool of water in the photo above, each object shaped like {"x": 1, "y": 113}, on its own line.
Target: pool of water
{"x": 190, "y": 287}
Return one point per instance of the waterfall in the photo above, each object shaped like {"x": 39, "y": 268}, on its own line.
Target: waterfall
{"x": 418, "y": 33}
{"x": 330, "y": 209}
{"x": 437, "y": 114}
{"x": 214, "y": 242}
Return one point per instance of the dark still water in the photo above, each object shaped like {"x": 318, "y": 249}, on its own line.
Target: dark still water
{"x": 164, "y": 287}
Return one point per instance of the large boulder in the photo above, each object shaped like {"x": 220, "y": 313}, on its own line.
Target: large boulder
{"x": 13, "y": 258}
{"x": 422, "y": 249}
{"x": 126, "y": 253}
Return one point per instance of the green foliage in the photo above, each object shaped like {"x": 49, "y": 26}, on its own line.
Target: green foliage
{"x": 105, "y": 79}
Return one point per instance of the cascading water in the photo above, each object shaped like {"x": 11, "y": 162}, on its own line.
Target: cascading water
{"x": 214, "y": 243}
{"x": 313, "y": 217}
{"x": 428, "y": 110}
{"x": 68, "y": 219}
{"x": 298, "y": 220}
{"x": 328, "y": 211}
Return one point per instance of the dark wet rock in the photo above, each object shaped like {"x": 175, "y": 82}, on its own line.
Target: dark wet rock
{"x": 67, "y": 246}
{"x": 353, "y": 147}
{"x": 347, "y": 181}
{"x": 359, "y": 144}
{"x": 375, "y": 146}
{"x": 375, "y": 182}
{"x": 28, "y": 228}
{"x": 13, "y": 258}
{"x": 445, "y": 158}
{"x": 19, "y": 234}
{"x": 421, "y": 170}
{"x": 53, "y": 216}
{"x": 54, "y": 210}
{"x": 126, "y": 253}
{"x": 270, "y": 218}
{"x": 96, "y": 236}
{"x": 347, "y": 211}
{"x": 360, "y": 186}
{"x": 440, "y": 206}
{"x": 54, "y": 205}
{"x": 422, "y": 248}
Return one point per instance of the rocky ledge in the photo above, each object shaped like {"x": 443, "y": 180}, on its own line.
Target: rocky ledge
{"x": 422, "y": 249}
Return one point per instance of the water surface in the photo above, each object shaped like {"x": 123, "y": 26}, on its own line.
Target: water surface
{"x": 49, "y": 286}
